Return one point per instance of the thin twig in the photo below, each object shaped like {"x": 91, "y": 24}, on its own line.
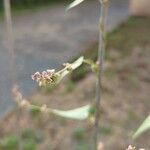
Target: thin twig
{"x": 10, "y": 38}
{"x": 101, "y": 53}
{"x": 10, "y": 46}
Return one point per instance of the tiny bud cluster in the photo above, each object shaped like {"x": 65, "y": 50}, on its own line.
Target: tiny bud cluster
{"x": 50, "y": 77}
{"x": 46, "y": 77}
{"x": 130, "y": 147}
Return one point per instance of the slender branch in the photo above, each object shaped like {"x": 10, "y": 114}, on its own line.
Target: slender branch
{"x": 101, "y": 53}
{"x": 10, "y": 38}
{"x": 10, "y": 46}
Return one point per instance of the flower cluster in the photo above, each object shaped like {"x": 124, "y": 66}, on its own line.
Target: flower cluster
{"x": 46, "y": 77}
{"x": 50, "y": 77}
{"x": 133, "y": 148}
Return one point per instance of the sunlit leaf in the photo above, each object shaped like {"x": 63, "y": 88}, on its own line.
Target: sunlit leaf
{"x": 74, "y": 3}
{"x": 143, "y": 128}
{"x": 73, "y": 66}
{"x": 77, "y": 63}
{"x": 78, "y": 113}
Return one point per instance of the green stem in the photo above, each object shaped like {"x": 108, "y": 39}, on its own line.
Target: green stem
{"x": 101, "y": 53}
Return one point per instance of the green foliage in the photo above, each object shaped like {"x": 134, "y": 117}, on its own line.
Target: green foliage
{"x": 72, "y": 67}
{"x": 80, "y": 73}
{"x": 28, "y": 133}
{"x": 105, "y": 129}
{"x": 77, "y": 114}
{"x": 9, "y": 143}
{"x": 70, "y": 85}
{"x": 30, "y": 144}
{"x": 143, "y": 128}
{"x": 29, "y": 141}
{"x": 115, "y": 42}
{"x": 80, "y": 113}
{"x": 34, "y": 110}
{"x": 79, "y": 133}
{"x": 92, "y": 111}
{"x": 116, "y": 38}
{"x": 21, "y": 6}
{"x": 82, "y": 146}
{"x": 94, "y": 67}
{"x": 29, "y": 3}
{"x": 83, "y": 70}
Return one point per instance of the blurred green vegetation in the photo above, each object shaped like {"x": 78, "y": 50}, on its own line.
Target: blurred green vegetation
{"x": 20, "y": 6}
{"x": 29, "y": 140}
{"x": 69, "y": 86}
{"x": 79, "y": 133}
{"x": 32, "y": 2}
{"x": 30, "y": 145}
{"x": 121, "y": 40}
{"x": 82, "y": 146}
{"x": 9, "y": 143}
{"x": 106, "y": 129}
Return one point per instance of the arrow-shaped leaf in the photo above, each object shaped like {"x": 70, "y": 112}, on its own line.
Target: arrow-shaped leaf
{"x": 77, "y": 114}
{"x": 144, "y": 127}
{"x": 73, "y": 66}
{"x": 74, "y": 3}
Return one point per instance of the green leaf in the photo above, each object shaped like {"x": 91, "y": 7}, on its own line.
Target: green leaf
{"x": 74, "y": 3}
{"x": 143, "y": 128}
{"x": 73, "y": 66}
{"x": 77, "y": 114}
{"x": 77, "y": 63}
{"x": 10, "y": 142}
{"x": 35, "y": 110}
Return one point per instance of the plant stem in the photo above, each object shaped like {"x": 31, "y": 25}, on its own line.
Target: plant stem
{"x": 10, "y": 46}
{"x": 101, "y": 53}
{"x": 10, "y": 37}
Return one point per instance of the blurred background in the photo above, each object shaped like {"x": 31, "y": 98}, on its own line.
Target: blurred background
{"x": 45, "y": 36}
